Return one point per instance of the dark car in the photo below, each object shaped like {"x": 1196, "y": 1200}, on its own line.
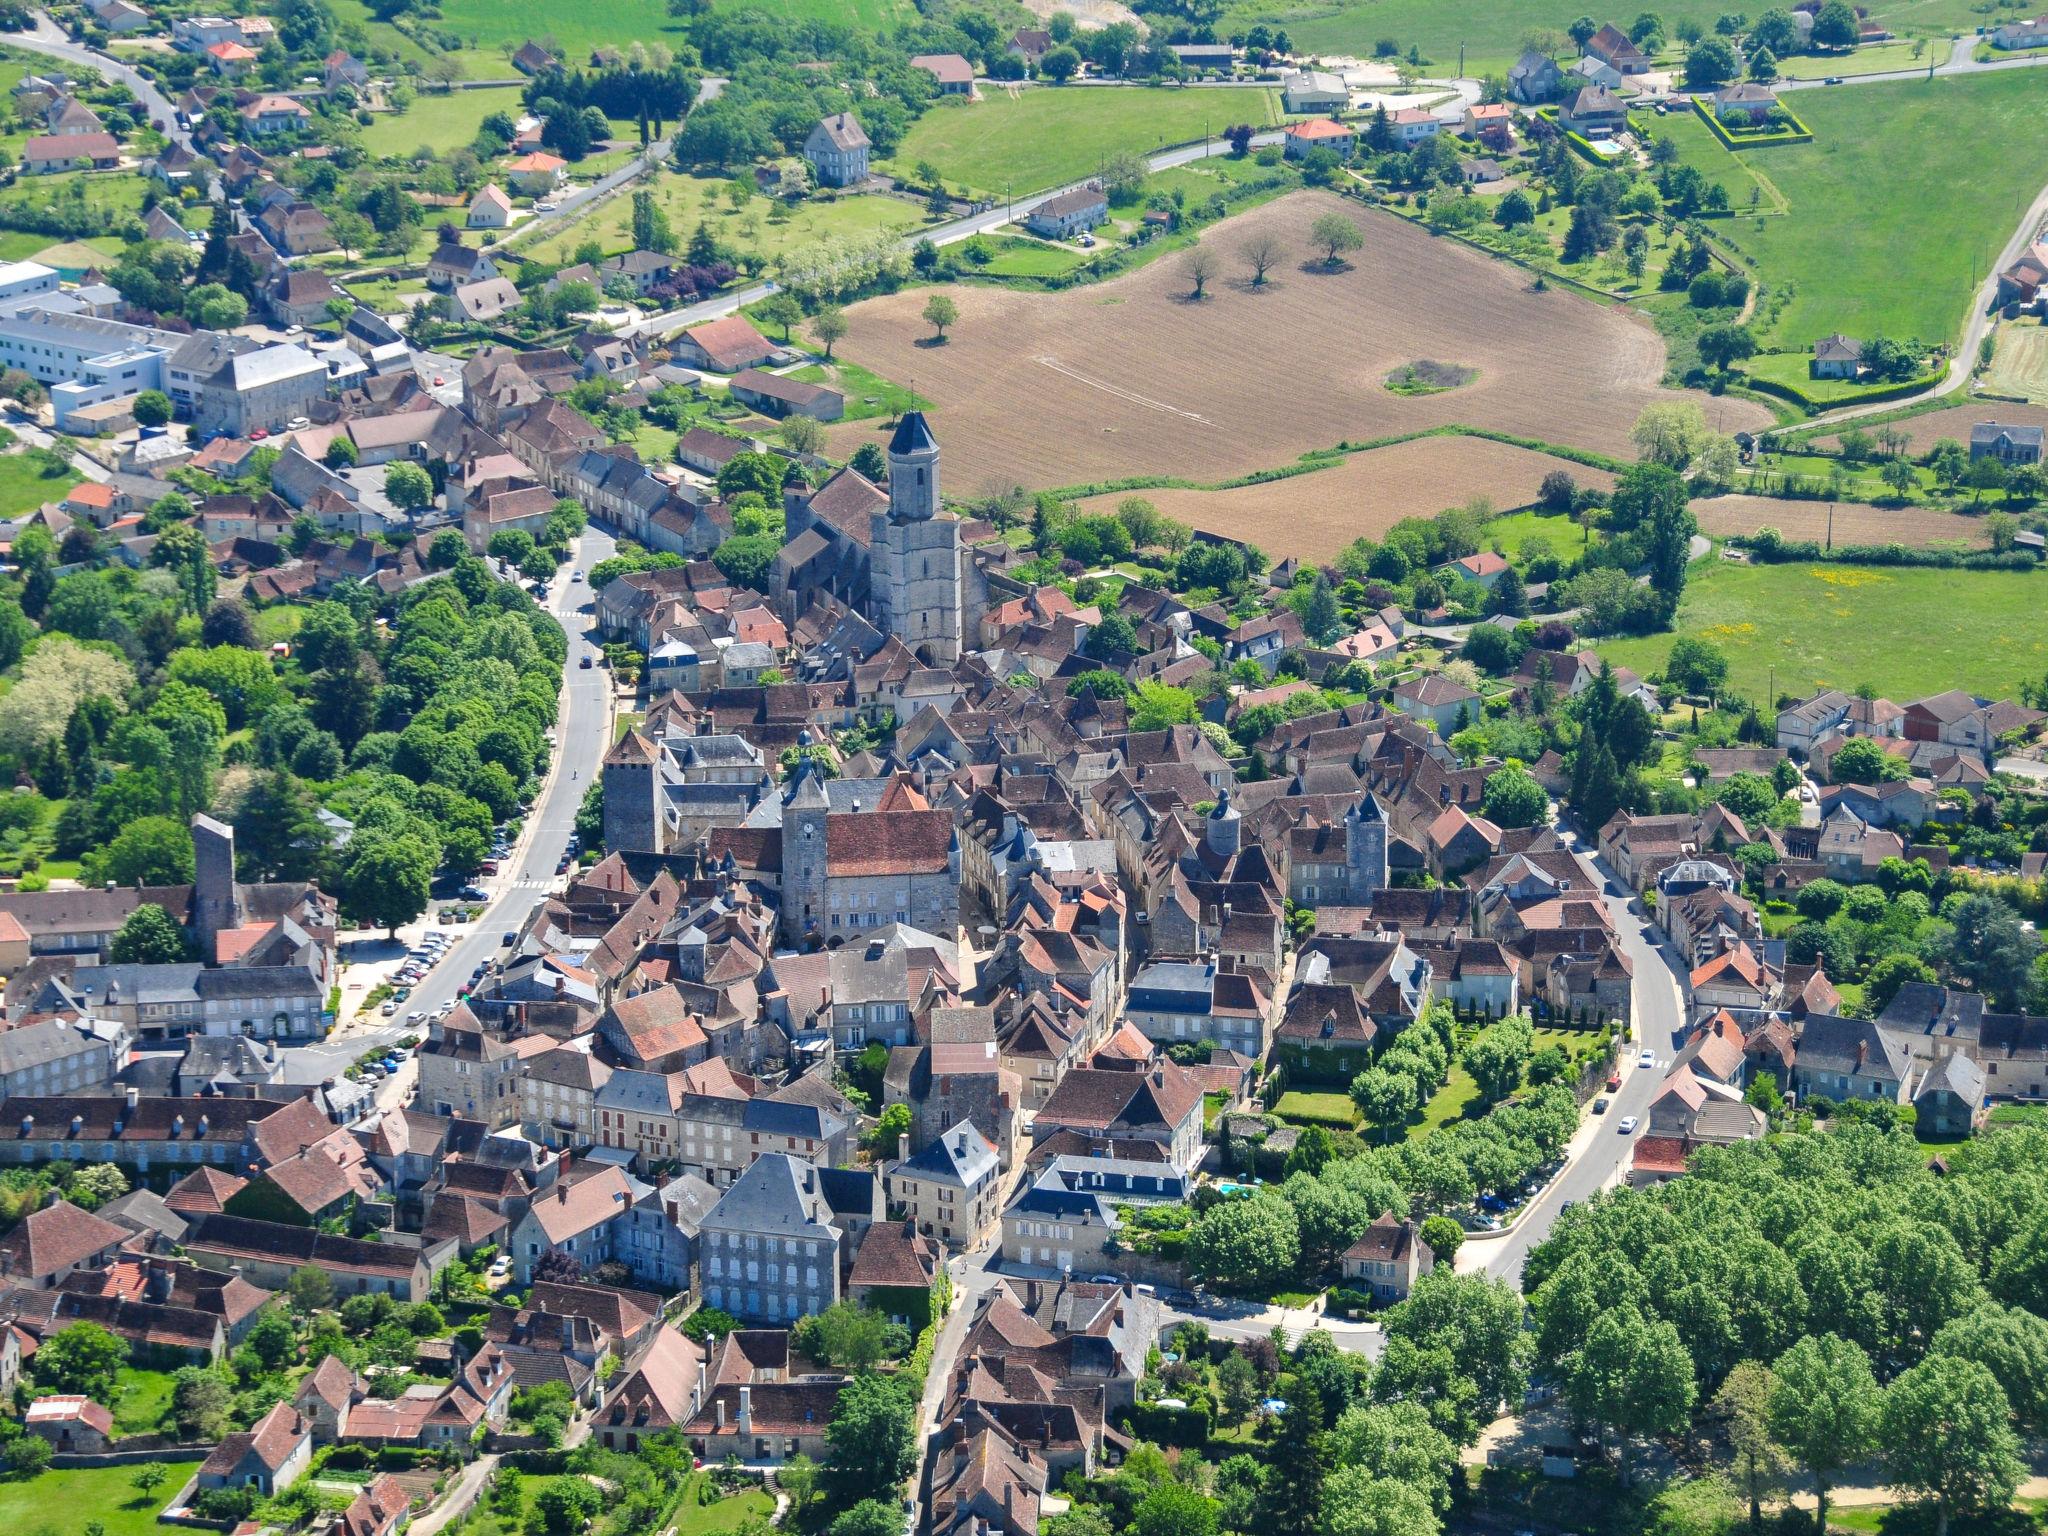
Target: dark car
{"x": 585, "y": 663}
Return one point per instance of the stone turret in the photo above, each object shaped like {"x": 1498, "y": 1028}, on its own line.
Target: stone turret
{"x": 1365, "y": 850}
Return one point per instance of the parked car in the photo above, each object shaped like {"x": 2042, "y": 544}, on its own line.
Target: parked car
{"x": 1646, "y": 1057}
{"x": 508, "y": 939}
{"x": 1613, "y": 1082}
{"x": 1628, "y": 1125}
{"x": 1600, "y": 1104}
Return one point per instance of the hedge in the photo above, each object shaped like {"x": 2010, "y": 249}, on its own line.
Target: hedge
{"x": 1777, "y": 550}
{"x": 1577, "y": 141}
{"x": 1189, "y": 1426}
{"x": 1798, "y": 134}
{"x": 1813, "y": 407}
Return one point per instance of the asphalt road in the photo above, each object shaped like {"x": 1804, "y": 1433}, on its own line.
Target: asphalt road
{"x": 1599, "y": 1154}
{"x": 583, "y": 730}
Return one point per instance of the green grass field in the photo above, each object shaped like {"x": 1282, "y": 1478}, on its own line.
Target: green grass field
{"x": 108, "y": 194}
{"x": 1905, "y": 631}
{"x": 575, "y": 30}
{"x": 868, "y": 394}
{"x": 1491, "y": 34}
{"x": 1043, "y": 137}
{"x": 1877, "y": 59}
{"x": 1895, "y": 217}
{"x": 24, "y": 487}
{"x": 440, "y": 121}
{"x": 141, "y": 1400}
{"x": 63, "y": 1503}
{"x": 1792, "y": 369}
{"x": 1317, "y": 1108}
{"x": 755, "y": 229}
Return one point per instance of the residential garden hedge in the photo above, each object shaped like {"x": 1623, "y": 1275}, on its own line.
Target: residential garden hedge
{"x": 1799, "y": 133}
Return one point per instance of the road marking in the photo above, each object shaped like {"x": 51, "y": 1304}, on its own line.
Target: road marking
{"x": 1119, "y": 391}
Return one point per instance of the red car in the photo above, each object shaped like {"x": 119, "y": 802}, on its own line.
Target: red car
{"x": 489, "y": 866}
{"x": 1613, "y": 1082}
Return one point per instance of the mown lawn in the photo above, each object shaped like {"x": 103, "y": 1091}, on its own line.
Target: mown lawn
{"x": 1308, "y": 1108}
{"x": 868, "y": 394}
{"x": 1905, "y": 631}
{"x": 64, "y": 1503}
{"x": 1043, "y": 136}
{"x": 24, "y": 486}
{"x": 761, "y": 228}
{"x": 1792, "y": 369}
{"x": 1895, "y": 217}
{"x": 442, "y": 121}
{"x": 574, "y": 30}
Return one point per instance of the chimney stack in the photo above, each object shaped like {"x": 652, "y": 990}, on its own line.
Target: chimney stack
{"x": 134, "y": 1097}
{"x": 718, "y": 1415}
{"x": 746, "y": 1409}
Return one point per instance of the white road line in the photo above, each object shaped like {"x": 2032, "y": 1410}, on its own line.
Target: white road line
{"x": 1119, "y": 391}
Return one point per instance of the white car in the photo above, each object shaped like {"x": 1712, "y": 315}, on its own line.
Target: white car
{"x": 388, "y": 1009}
{"x": 1646, "y": 1057}
{"x": 544, "y": 207}
{"x": 1628, "y": 1125}
{"x": 502, "y": 1264}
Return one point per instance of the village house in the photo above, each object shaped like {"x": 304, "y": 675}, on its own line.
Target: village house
{"x": 837, "y": 150}
{"x": 955, "y": 76}
{"x": 1388, "y": 1259}
{"x": 1068, "y": 214}
{"x": 1319, "y": 133}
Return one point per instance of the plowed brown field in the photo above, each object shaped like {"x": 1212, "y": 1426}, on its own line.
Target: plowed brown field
{"x": 1130, "y": 378}
{"x": 1855, "y": 523}
{"x": 1315, "y": 516}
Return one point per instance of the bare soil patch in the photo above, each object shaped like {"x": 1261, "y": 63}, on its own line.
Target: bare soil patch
{"x": 1314, "y": 516}
{"x": 1130, "y": 378}
{"x": 1923, "y": 431}
{"x": 1855, "y": 522}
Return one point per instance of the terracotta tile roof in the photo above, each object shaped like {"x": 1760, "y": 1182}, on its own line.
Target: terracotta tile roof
{"x": 203, "y": 1191}
{"x": 273, "y": 1440}
{"x": 894, "y": 1254}
{"x": 888, "y": 843}
{"x": 54, "y": 1238}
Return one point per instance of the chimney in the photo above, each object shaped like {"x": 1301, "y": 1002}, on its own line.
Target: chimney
{"x": 902, "y": 1145}
{"x": 718, "y": 1415}
{"x": 134, "y": 1097}
{"x": 960, "y": 1143}
{"x": 562, "y": 1192}
{"x": 746, "y": 1410}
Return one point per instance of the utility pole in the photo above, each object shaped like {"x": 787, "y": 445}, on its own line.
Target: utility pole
{"x": 1461, "y": 61}
{"x": 1831, "y": 526}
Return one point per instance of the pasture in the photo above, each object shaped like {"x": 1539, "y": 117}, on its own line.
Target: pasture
{"x": 1131, "y": 378}
{"x": 2020, "y": 366}
{"x": 1905, "y": 631}
{"x": 1313, "y": 516}
{"x": 762, "y": 229}
{"x": 1045, "y": 136}
{"x": 574, "y": 30}
{"x": 443, "y": 121}
{"x": 1895, "y": 217}
{"x": 1492, "y": 34}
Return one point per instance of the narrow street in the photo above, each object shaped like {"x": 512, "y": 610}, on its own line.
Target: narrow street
{"x": 584, "y": 730}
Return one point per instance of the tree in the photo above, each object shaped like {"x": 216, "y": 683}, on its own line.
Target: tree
{"x": 1862, "y": 761}
{"x": 1356, "y": 1503}
{"x": 26, "y": 1455}
{"x": 149, "y": 1477}
{"x": 1514, "y": 210}
{"x": 1723, "y": 345}
{"x": 1156, "y": 705}
{"x": 1443, "y": 1237}
{"x": 388, "y": 879}
{"x": 1174, "y": 1509}
{"x": 2012, "y": 1344}
{"x": 408, "y": 486}
{"x": 151, "y": 850}
{"x": 1581, "y": 32}
{"x": 201, "y": 1400}
{"x": 798, "y": 1477}
{"x": 1060, "y": 64}
{"x": 1991, "y": 947}
{"x": 1697, "y": 666}
{"x": 1320, "y": 615}
{"x": 1261, "y": 252}
{"x": 651, "y": 231}
{"x": 1669, "y": 435}
{"x": 1249, "y": 1244}
{"x": 801, "y": 434}
{"x": 1199, "y": 265}
{"x": 829, "y": 326}
{"x": 228, "y": 622}
{"x": 150, "y": 936}
{"x": 1238, "y": 1385}
{"x": 1710, "y": 62}
{"x": 182, "y": 550}
{"x": 760, "y": 473}
{"x": 1775, "y": 32}
{"x": 1384, "y": 1097}
{"x": 1824, "y": 1409}
{"x": 745, "y": 559}
{"x": 1334, "y": 234}
{"x": 151, "y": 408}
{"x": 1498, "y": 1057}
{"x": 1947, "y": 1433}
{"x": 83, "y": 1357}
{"x": 873, "y": 1437}
{"x": 1514, "y": 799}
{"x": 1889, "y": 973}
{"x": 870, "y": 1517}
{"x": 1742, "y": 1410}
{"x": 567, "y": 1504}
{"x": 777, "y": 309}
{"x": 940, "y": 312}
{"x": 97, "y": 1183}
{"x": 309, "y": 1290}
{"x": 1836, "y": 25}
{"x": 1633, "y": 1376}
